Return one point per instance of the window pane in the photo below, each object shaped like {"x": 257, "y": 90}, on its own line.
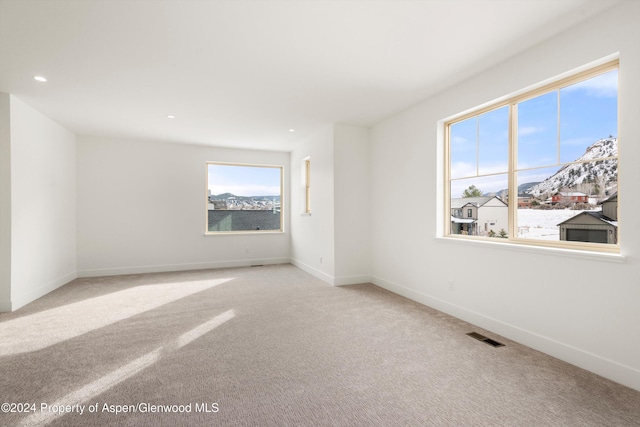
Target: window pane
{"x": 536, "y": 217}
{"x": 581, "y": 196}
{"x": 478, "y": 206}
{"x": 463, "y": 147}
{"x": 538, "y": 131}
{"x": 493, "y": 144}
{"x": 244, "y": 198}
{"x": 588, "y": 113}
{"x": 540, "y": 184}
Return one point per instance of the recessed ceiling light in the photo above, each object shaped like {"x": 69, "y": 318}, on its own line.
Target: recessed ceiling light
{"x": 169, "y": 116}
{"x": 40, "y": 78}
{"x": 292, "y": 130}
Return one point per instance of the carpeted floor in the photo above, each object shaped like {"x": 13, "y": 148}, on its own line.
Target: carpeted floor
{"x": 274, "y": 346}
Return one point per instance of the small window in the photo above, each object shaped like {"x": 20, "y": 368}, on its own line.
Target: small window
{"x": 307, "y": 185}
{"x": 469, "y": 213}
{"x": 244, "y": 198}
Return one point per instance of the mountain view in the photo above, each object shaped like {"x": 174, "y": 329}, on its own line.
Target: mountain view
{"x": 595, "y": 178}
{"x": 229, "y": 201}
{"x": 226, "y": 196}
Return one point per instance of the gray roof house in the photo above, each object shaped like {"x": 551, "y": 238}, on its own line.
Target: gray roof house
{"x": 593, "y": 226}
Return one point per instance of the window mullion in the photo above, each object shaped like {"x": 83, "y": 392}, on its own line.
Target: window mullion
{"x": 447, "y": 187}
{"x": 512, "y": 180}
{"x": 558, "y": 126}
{"x": 477, "y": 145}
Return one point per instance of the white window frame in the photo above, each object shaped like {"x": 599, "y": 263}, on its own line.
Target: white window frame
{"x": 281, "y": 207}
{"x": 306, "y": 183}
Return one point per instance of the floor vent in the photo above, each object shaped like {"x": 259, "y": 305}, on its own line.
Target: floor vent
{"x": 257, "y": 265}
{"x": 484, "y": 339}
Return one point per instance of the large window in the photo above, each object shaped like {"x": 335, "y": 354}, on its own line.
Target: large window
{"x": 540, "y": 168}
{"x": 244, "y": 198}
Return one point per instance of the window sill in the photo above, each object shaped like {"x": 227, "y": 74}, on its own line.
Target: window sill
{"x": 511, "y": 247}
{"x": 305, "y": 214}
{"x": 243, "y": 233}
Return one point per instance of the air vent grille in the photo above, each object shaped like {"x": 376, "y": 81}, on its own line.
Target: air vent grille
{"x": 485, "y": 340}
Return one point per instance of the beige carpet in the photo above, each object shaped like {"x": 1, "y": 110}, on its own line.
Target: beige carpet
{"x": 273, "y": 346}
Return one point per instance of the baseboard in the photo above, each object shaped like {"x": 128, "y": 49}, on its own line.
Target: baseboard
{"x": 179, "y": 267}
{"x": 610, "y": 369}
{"x": 351, "y": 280}
{"x": 5, "y": 306}
{"x": 313, "y": 271}
{"x": 25, "y": 299}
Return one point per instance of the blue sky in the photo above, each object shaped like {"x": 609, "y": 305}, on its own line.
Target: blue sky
{"x": 244, "y": 180}
{"x": 587, "y": 112}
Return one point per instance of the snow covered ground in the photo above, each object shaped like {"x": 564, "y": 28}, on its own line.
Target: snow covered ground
{"x": 542, "y": 224}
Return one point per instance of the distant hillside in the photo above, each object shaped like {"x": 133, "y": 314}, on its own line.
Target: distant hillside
{"x": 223, "y": 196}
{"x": 522, "y": 189}
{"x": 594, "y": 179}
{"x": 226, "y": 196}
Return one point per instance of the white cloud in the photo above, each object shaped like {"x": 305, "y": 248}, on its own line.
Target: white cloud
{"x": 487, "y": 184}
{"x": 459, "y": 140}
{"x": 498, "y": 167}
{"x": 529, "y": 130}
{"x": 602, "y": 86}
{"x": 578, "y": 142}
{"x": 462, "y": 169}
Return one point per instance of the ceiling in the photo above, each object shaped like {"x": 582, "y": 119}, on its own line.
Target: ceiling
{"x": 243, "y": 73}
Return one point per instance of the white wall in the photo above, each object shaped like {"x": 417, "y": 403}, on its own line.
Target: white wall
{"x": 351, "y": 204}
{"x": 333, "y": 242}
{"x": 580, "y": 309}
{"x": 141, "y": 208}
{"x": 312, "y": 239}
{"x": 43, "y": 204}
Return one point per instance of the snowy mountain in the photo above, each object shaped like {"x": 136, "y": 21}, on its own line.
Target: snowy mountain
{"x": 596, "y": 178}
